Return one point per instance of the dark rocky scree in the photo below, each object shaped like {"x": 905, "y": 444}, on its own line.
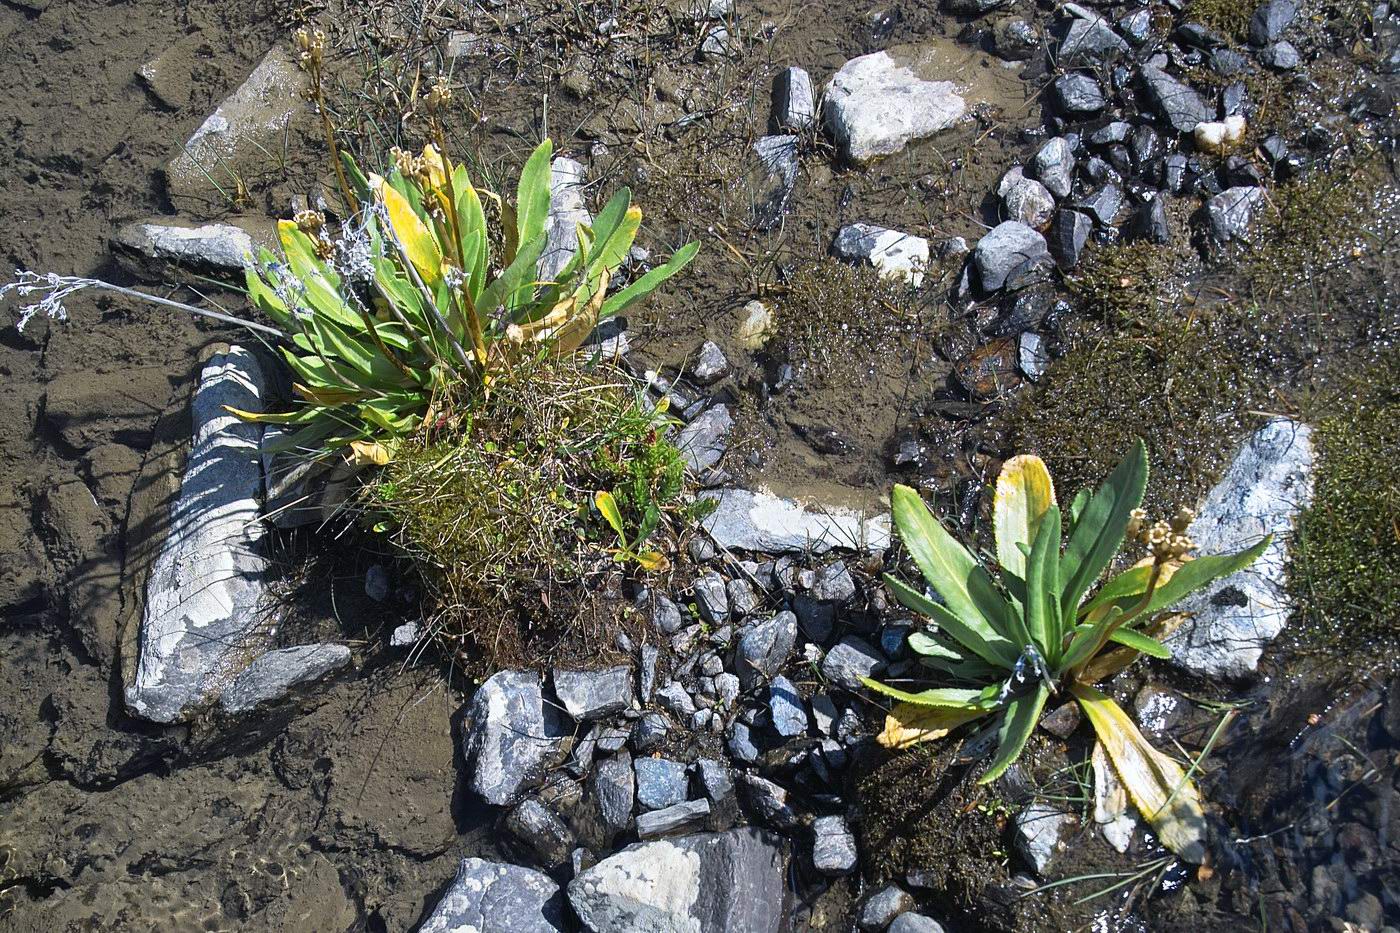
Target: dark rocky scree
{"x": 725, "y": 778}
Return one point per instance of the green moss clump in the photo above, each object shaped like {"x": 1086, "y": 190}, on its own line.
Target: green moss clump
{"x": 494, "y": 509}
{"x": 1345, "y": 570}
{"x": 1230, "y": 17}
{"x": 1313, "y": 222}
{"x": 1183, "y": 380}
{"x": 1130, "y": 283}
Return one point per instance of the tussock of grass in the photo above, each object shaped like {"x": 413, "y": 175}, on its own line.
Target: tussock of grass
{"x": 1347, "y": 548}
{"x": 495, "y": 509}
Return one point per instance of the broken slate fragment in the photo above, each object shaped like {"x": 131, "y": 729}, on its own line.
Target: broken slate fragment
{"x": 1265, "y": 487}
{"x": 588, "y": 695}
{"x": 1231, "y": 211}
{"x": 773, "y": 179}
{"x": 567, "y": 209}
{"x": 1178, "y": 104}
{"x": 687, "y": 816}
{"x": 219, "y": 247}
{"x": 702, "y": 442}
{"x": 794, "y": 100}
{"x": 496, "y": 896}
{"x": 276, "y": 673}
{"x": 833, "y": 846}
{"x": 852, "y": 659}
{"x": 785, "y": 706}
{"x": 1040, "y": 834}
{"x": 1009, "y": 255}
{"x": 204, "y": 618}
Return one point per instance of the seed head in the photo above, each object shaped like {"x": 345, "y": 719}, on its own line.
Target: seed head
{"x": 310, "y": 222}
{"x": 311, "y": 48}
{"x": 1136, "y": 519}
{"x": 438, "y": 96}
{"x": 1183, "y": 520}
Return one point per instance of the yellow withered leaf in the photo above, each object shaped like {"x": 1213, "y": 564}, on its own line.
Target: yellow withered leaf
{"x": 368, "y": 453}
{"x": 1024, "y": 494}
{"x": 408, "y": 228}
{"x": 1157, "y": 785}
{"x": 908, "y": 724}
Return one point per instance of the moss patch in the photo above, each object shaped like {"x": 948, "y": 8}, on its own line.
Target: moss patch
{"x": 1130, "y": 284}
{"x": 1346, "y": 551}
{"x": 1228, "y": 16}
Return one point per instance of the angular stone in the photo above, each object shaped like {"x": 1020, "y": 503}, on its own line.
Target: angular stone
{"x": 218, "y": 247}
{"x": 742, "y": 598}
{"x": 1178, "y": 104}
{"x": 205, "y": 618}
{"x": 1270, "y": 19}
{"x": 495, "y": 896}
{"x": 1281, "y": 55}
{"x": 833, "y": 846}
{"x": 1054, "y": 166}
{"x": 236, "y": 139}
{"x": 915, "y": 923}
{"x": 1090, "y": 38}
{"x": 649, "y": 732}
{"x": 1079, "y": 94}
{"x": 542, "y": 831}
{"x": 567, "y": 209}
{"x": 1031, "y": 355}
{"x": 785, "y": 705}
{"x": 894, "y": 254}
{"x": 702, "y": 442}
{"x": 1104, "y": 204}
{"x": 1040, "y": 834}
{"x": 590, "y": 695}
{"x": 712, "y": 598}
{"x": 877, "y": 104}
{"x": 1068, "y": 236}
{"x": 760, "y": 521}
{"x": 1265, "y": 487}
{"x": 794, "y": 100}
{"x": 674, "y": 699}
{"x": 883, "y": 906}
{"x": 741, "y": 745}
{"x": 989, "y": 369}
{"x": 276, "y": 673}
{"x": 1231, "y": 211}
{"x": 769, "y": 801}
{"x": 512, "y": 734}
{"x": 612, "y": 790}
{"x": 1028, "y": 201}
{"x": 731, "y": 882}
{"x": 833, "y": 583}
{"x": 661, "y": 782}
{"x": 851, "y": 659}
{"x": 1009, "y": 255}
{"x": 764, "y": 648}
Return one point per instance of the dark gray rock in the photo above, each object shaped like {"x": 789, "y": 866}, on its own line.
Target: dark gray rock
{"x": 1227, "y": 63}
{"x": 1110, "y": 133}
{"x": 1089, "y": 38}
{"x": 710, "y": 364}
{"x": 1269, "y": 481}
{"x": 1054, "y": 166}
{"x": 684, "y": 817}
{"x": 1025, "y": 199}
{"x": 665, "y": 614}
{"x": 675, "y": 700}
{"x": 834, "y": 583}
{"x": 785, "y": 704}
{"x": 646, "y": 672}
{"x": 702, "y": 442}
{"x": 649, "y": 732}
{"x": 661, "y": 782}
{"x": 772, "y": 179}
{"x": 1199, "y": 36}
{"x": 1015, "y": 40}
{"x": 851, "y": 659}
{"x": 834, "y": 849}
{"x": 1174, "y": 172}
{"x": 1281, "y": 55}
{"x": 1231, "y": 211}
{"x": 1150, "y": 222}
{"x": 612, "y": 788}
{"x": 276, "y": 673}
{"x": 972, "y": 7}
{"x": 540, "y": 829}
{"x": 1079, "y": 94}
{"x": 1103, "y": 205}
{"x": 1009, "y": 255}
{"x": 915, "y": 923}
{"x": 741, "y": 744}
{"x": 494, "y": 896}
{"x": 769, "y": 802}
{"x": 1176, "y": 102}
{"x": 731, "y": 882}
{"x": 883, "y": 906}
{"x": 726, "y": 688}
{"x": 204, "y": 617}
{"x": 1270, "y": 19}
{"x": 764, "y": 648}
{"x": 1068, "y": 236}
{"x": 1136, "y": 26}
{"x": 1031, "y": 356}
{"x": 512, "y": 735}
{"x": 794, "y": 100}
{"x": 712, "y": 598}
{"x": 742, "y": 599}
{"x": 588, "y": 695}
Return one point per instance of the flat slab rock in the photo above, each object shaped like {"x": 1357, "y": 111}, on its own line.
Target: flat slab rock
{"x": 276, "y": 673}
{"x": 1267, "y": 484}
{"x": 760, "y": 521}
{"x": 877, "y": 104}
{"x": 224, "y": 247}
{"x": 731, "y": 882}
{"x": 492, "y": 896}
{"x": 205, "y": 619}
{"x": 239, "y": 135}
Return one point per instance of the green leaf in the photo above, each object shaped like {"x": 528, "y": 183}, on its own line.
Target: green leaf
{"x": 1086, "y": 636}
{"x": 1099, "y": 532}
{"x": 932, "y": 647}
{"x": 1023, "y": 494}
{"x": 644, "y": 286}
{"x": 951, "y": 697}
{"x": 532, "y": 194}
{"x": 952, "y": 572}
{"x": 1131, "y": 638}
{"x": 1076, "y": 507}
{"x": 1017, "y": 723}
{"x": 1129, "y": 583}
{"x": 1194, "y": 574}
{"x": 1043, "y": 587}
{"x": 506, "y": 286}
{"x": 975, "y": 635}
